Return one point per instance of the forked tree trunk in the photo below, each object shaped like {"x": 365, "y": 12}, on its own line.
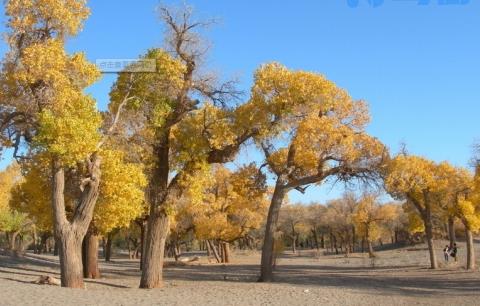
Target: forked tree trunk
{"x": 90, "y": 256}
{"x": 157, "y": 230}
{"x": 70, "y": 234}
{"x": 470, "y": 249}
{"x": 266, "y": 270}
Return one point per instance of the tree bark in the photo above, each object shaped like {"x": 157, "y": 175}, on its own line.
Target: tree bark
{"x": 431, "y": 247}
{"x": 13, "y": 239}
{"x": 226, "y": 252}
{"x": 70, "y": 250}
{"x": 142, "y": 244}
{"x": 470, "y": 249}
{"x": 214, "y": 250}
{"x": 451, "y": 231}
{"x": 157, "y": 231}
{"x": 69, "y": 235}
{"x": 266, "y": 269}
{"x": 90, "y": 256}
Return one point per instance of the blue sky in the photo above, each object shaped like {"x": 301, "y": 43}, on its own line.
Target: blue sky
{"x": 416, "y": 65}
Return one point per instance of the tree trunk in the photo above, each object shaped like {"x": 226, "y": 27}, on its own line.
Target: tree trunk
{"x": 226, "y": 252}
{"x": 90, "y": 256}
{"x": 35, "y": 238}
{"x": 69, "y": 235}
{"x": 451, "y": 231}
{"x": 108, "y": 247}
{"x": 335, "y": 244}
{"x": 354, "y": 238}
{"x": 470, "y": 249}
{"x": 55, "y": 247}
{"x": 157, "y": 230}
{"x": 214, "y": 250}
{"x": 294, "y": 244}
{"x": 315, "y": 237}
{"x": 70, "y": 250}
{"x": 142, "y": 244}
{"x": 429, "y": 235}
{"x": 266, "y": 269}
{"x": 322, "y": 241}
{"x": 13, "y": 239}
{"x": 209, "y": 252}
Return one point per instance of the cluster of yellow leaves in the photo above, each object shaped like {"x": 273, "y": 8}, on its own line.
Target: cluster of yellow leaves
{"x": 64, "y": 17}
{"x": 121, "y": 198}
{"x": 230, "y": 205}
{"x": 33, "y": 197}
{"x": 369, "y": 216}
{"x": 44, "y": 82}
{"x": 307, "y": 111}
{"x": 411, "y": 176}
{"x": 213, "y": 127}
{"x": 152, "y": 94}
{"x": 71, "y": 132}
{"x": 8, "y": 179}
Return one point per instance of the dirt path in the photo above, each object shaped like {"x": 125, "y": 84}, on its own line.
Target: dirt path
{"x": 397, "y": 277}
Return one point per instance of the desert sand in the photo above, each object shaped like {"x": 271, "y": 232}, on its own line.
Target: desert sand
{"x": 396, "y": 277}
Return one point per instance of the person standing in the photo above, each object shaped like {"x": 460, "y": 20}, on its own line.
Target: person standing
{"x": 453, "y": 252}
{"x": 446, "y": 253}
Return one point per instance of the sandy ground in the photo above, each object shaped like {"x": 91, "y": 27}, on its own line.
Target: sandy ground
{"x": 396, "y": 277}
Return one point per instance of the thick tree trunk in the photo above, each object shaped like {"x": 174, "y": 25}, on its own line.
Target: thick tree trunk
{"x": 470, "y": 249}
{"x": 69, "y": 235}
{"x": 266, "y": 269}
{"x": 70, "y": 250}
{"x": 90, "y": 256}
{"x": 157, "y": 230}
{"x": 451, "y": 231}
{"x": 322, "y": 241}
